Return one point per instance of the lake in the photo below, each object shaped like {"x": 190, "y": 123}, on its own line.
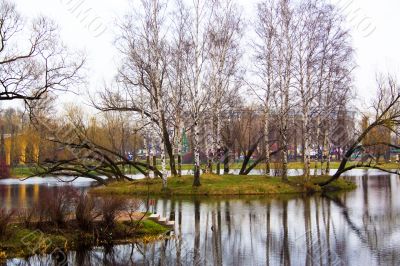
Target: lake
{"x": 361, "y": 227}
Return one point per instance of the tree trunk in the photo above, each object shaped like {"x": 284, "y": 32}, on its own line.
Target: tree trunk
{"x": 209, "y": 150}
{"x": 147, "y": 174}
{"x": 285, "y": 159}
{"x": 219, "y": 142}
{"x": 179, "y": 165}
{"x": 154, "y": 157}
{"x": 179, "y": 146}
{"x": 317, "y": 137}
{"x": 326, "y": 146}
{"x": 266, "y": 143}
{"x": 163, "y": 166}
{"x": 196, "y": 179}
{"x": 226, "y": 161}
{"x": 170, "y": 150}
{"x": 306, "y": 147}
{"x": 248, "y": 154}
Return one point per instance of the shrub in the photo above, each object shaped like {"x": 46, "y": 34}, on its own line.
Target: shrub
{"x": 26, "y": 216}
{"x": 5, "y": 219}
{"x": 54, "y": 206}
{"x": 85, "y": 212}
{"x": 131, "y": 208}
{"x": 60, "y": 204}
{"x": 40, "y": 208}
{"x": 110, "y": 207}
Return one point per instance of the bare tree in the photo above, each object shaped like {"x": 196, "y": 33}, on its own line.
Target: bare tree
{"x": 285, "y": 74}
{"x": 143, "y": 74}
{"x": 87, "y": 150}
{"x": 386, "y": 114}
{"x": 34, "y": 67}
{"x": 304, "y": 64}
{"x": 224, "y": 54}
{"x": 266, "y": 55}
{"x": 197, "y": 17}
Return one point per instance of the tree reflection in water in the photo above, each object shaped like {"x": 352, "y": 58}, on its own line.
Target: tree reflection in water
{"x": 352, "y": 228}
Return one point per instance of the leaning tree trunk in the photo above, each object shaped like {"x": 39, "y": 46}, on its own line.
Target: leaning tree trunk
{"x": 168, "y": 146}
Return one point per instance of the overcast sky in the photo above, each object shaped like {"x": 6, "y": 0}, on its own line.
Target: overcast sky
{"x": 374, "y": 26}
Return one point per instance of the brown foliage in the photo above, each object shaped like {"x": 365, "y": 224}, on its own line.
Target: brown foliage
{"x": 110, "y": 207}
{"x": 85, "y": 212}
{"x": 5, "y": 219}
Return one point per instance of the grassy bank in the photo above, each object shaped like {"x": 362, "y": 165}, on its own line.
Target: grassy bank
{"x": 22, "y": 242}
{"x": 21, "y": 172}
{"x": 221, "y": 185}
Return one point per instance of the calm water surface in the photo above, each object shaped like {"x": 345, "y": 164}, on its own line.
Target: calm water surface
{"x": 361, "y": 227}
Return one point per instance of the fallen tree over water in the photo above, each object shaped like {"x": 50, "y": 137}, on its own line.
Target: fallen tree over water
{"x": 386, "y": 117}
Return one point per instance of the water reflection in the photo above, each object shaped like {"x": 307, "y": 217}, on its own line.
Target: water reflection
{"x": 18, "y": 196}
{"x": 353, "y": 228}
{"x": 15, "y": 197}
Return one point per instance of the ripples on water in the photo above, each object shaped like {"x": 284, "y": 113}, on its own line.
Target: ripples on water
{"x": 360, "y": 227}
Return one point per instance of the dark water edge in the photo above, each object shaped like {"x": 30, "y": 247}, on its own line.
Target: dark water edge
{"x": 360, "y": 227}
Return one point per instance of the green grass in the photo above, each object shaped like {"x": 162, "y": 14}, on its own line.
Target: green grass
{"x": 219, "y": 185}
{"x": 23, "y": 242}
{"x": 150, "y": 228}
{"x": 21, "y": 172}
{"x": 291, "y": 165}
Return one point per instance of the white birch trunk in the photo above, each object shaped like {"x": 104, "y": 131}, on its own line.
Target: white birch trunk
{"x": 196, "y": 151}
{"x": 219, "y": 141}
{"x": 151, "y": 157}
{"x": 163, "y": 165}
{"x": 327, "y": 147}
{"x": 147, "y": 154}
{"x": 318, "y": 144}
{"x": 209, "y": 149}
{"x": 179, "y": 145}
{"x": 306, "y": 148}
{"x": 266, "y": 140}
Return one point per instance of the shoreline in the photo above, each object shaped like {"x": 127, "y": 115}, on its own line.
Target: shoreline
{"x": 22, "y": 242}
{"x": 25, "y": 172}
{"x": 222, "y": 185}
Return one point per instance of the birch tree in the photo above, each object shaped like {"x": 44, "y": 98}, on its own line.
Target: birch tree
{"x": 266, "y": 55}
{"x": 224, "y": 53}
{"x": 285, "y": 74}
{"x": 335, "y": 81}
{"x": 275, "y": 55}
{"x": 177, "y": 77}
{"x": 198, "y": 23}
{"x": 143, "y": 73}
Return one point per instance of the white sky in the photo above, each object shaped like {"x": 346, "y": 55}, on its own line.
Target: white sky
{"x": 374, "y": 25}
